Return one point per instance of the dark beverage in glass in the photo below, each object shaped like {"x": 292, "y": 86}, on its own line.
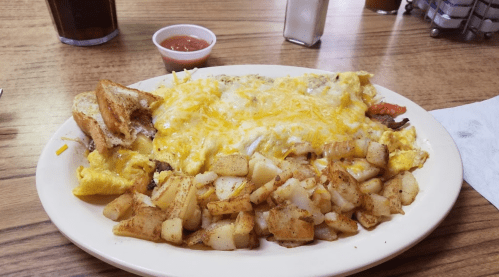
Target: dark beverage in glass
{"x": 84, "y": 22}
{"x": 383, "y": 6}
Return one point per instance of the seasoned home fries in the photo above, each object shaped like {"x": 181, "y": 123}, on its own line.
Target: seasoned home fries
{"x": 226, "y": 160}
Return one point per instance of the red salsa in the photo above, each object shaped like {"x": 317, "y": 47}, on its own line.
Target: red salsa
{"x": 184, "y": 43}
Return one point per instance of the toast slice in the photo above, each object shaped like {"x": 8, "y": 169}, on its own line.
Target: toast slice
{"x": 125, "y": 110}
{"x": 114, "y": 114}
{"x": 87, "y": 115}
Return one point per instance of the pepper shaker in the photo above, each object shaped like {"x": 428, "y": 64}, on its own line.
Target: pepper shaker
{"x": 305, "y": 20}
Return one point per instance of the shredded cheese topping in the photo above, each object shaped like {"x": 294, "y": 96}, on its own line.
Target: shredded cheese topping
{"x": 62, "y": 149}
{"x": 200, "y": 119}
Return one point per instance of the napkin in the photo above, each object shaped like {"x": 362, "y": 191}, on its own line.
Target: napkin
{"x": 475, "y": 129}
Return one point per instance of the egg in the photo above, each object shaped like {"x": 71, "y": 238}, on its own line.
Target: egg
{"x": 221, "y": 115}
{"x": 399, "y": 140}
{"x": 404, "y": 153}
{"x": 403, "y": 160}
{"x": 114, "y": 173}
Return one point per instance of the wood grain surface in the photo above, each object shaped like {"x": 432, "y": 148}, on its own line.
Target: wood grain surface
{"x": 40, "y": 76}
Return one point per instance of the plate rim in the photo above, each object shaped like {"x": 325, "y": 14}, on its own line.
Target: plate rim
{"x": 292, "y": 256}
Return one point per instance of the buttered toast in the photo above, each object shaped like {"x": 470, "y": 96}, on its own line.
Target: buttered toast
{"x": 125, "y": 110}
{"x": 114, "y": 114}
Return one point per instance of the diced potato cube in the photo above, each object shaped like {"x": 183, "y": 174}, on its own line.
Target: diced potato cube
{"x": 288, "y": 243}
{"x": 376, "y": 204}
{"x": 362, "y": 170}
{"x": 410, "y": 188}
{"x": 206, "y": 219}
{"x": 160, "y": 178}
{"x": 246, "y": 187}
{"x": 231, "y": 165}
{"x": 171, "y": 230}
{"x": 140, "y": 200}
{"x": 367, "y": 220}
{"x": 377, "y": 154}
{"x": 117, "y": 208}
{"x": 340, "y": 222}
{"x": 392, "y": 190}
{"x": 241, "y": 240}
{"x": 324, "y": 232}
{"x": 164, "y": 196}
{"x": 192, "y": 221}
{"x": 283, "y": 177}
{"x": 195, "y": 238}
{"x": 262, "y": 193}
{"x": 185, "y": 200}
{"x": 344, "y": 184}
{"x": 261, "y": 226}
{"x": 284, "y": 192}
{"x": 339, "y": 201}
{"x": 294, "y": 193}
{"x": 244, "y": 224}
{"x": 234, "y": 205}
{"x": 395, "y": 205}
{"x": 300, "y": 169}
{"x": 290, "y": 223}
{"x": 177, "y": 197}
{"x": 264, "y": 171}
{"x": 244, "y": 235}
{"x": 254, "y": 241}
{"x": 374, "y": 185}
{"x": 220, "y": 236}
{"x": 346, "y": 149}
{"x": 206, "y": 178}
{"x": 145, "y": 224}
{"x": 322, "y": 198}
{"x": 250, "y": 240}
{"x": 226, "y": 185}
{"x": 309, "y": 183}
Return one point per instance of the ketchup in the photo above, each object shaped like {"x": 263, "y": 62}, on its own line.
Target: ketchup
{"x": 184, "y": 43}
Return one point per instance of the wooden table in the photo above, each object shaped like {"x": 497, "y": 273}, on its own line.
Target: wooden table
{"x": 40, "y": 76}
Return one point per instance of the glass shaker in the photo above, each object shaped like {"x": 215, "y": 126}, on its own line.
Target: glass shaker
{"x": 305, "y": 20}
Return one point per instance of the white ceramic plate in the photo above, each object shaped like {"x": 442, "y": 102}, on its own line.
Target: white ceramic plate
{"x": 83, "y": 223}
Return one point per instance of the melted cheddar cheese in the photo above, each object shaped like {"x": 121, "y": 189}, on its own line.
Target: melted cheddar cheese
{"x": 200, "y": 119}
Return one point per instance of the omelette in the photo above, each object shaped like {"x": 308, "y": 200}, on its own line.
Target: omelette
{"x": 199, "y": 120}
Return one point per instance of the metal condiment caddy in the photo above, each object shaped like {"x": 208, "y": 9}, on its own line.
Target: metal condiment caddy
{"x": 472, "y": 17}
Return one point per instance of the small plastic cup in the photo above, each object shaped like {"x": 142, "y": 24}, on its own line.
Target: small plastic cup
{"x": 180, "y": 60}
